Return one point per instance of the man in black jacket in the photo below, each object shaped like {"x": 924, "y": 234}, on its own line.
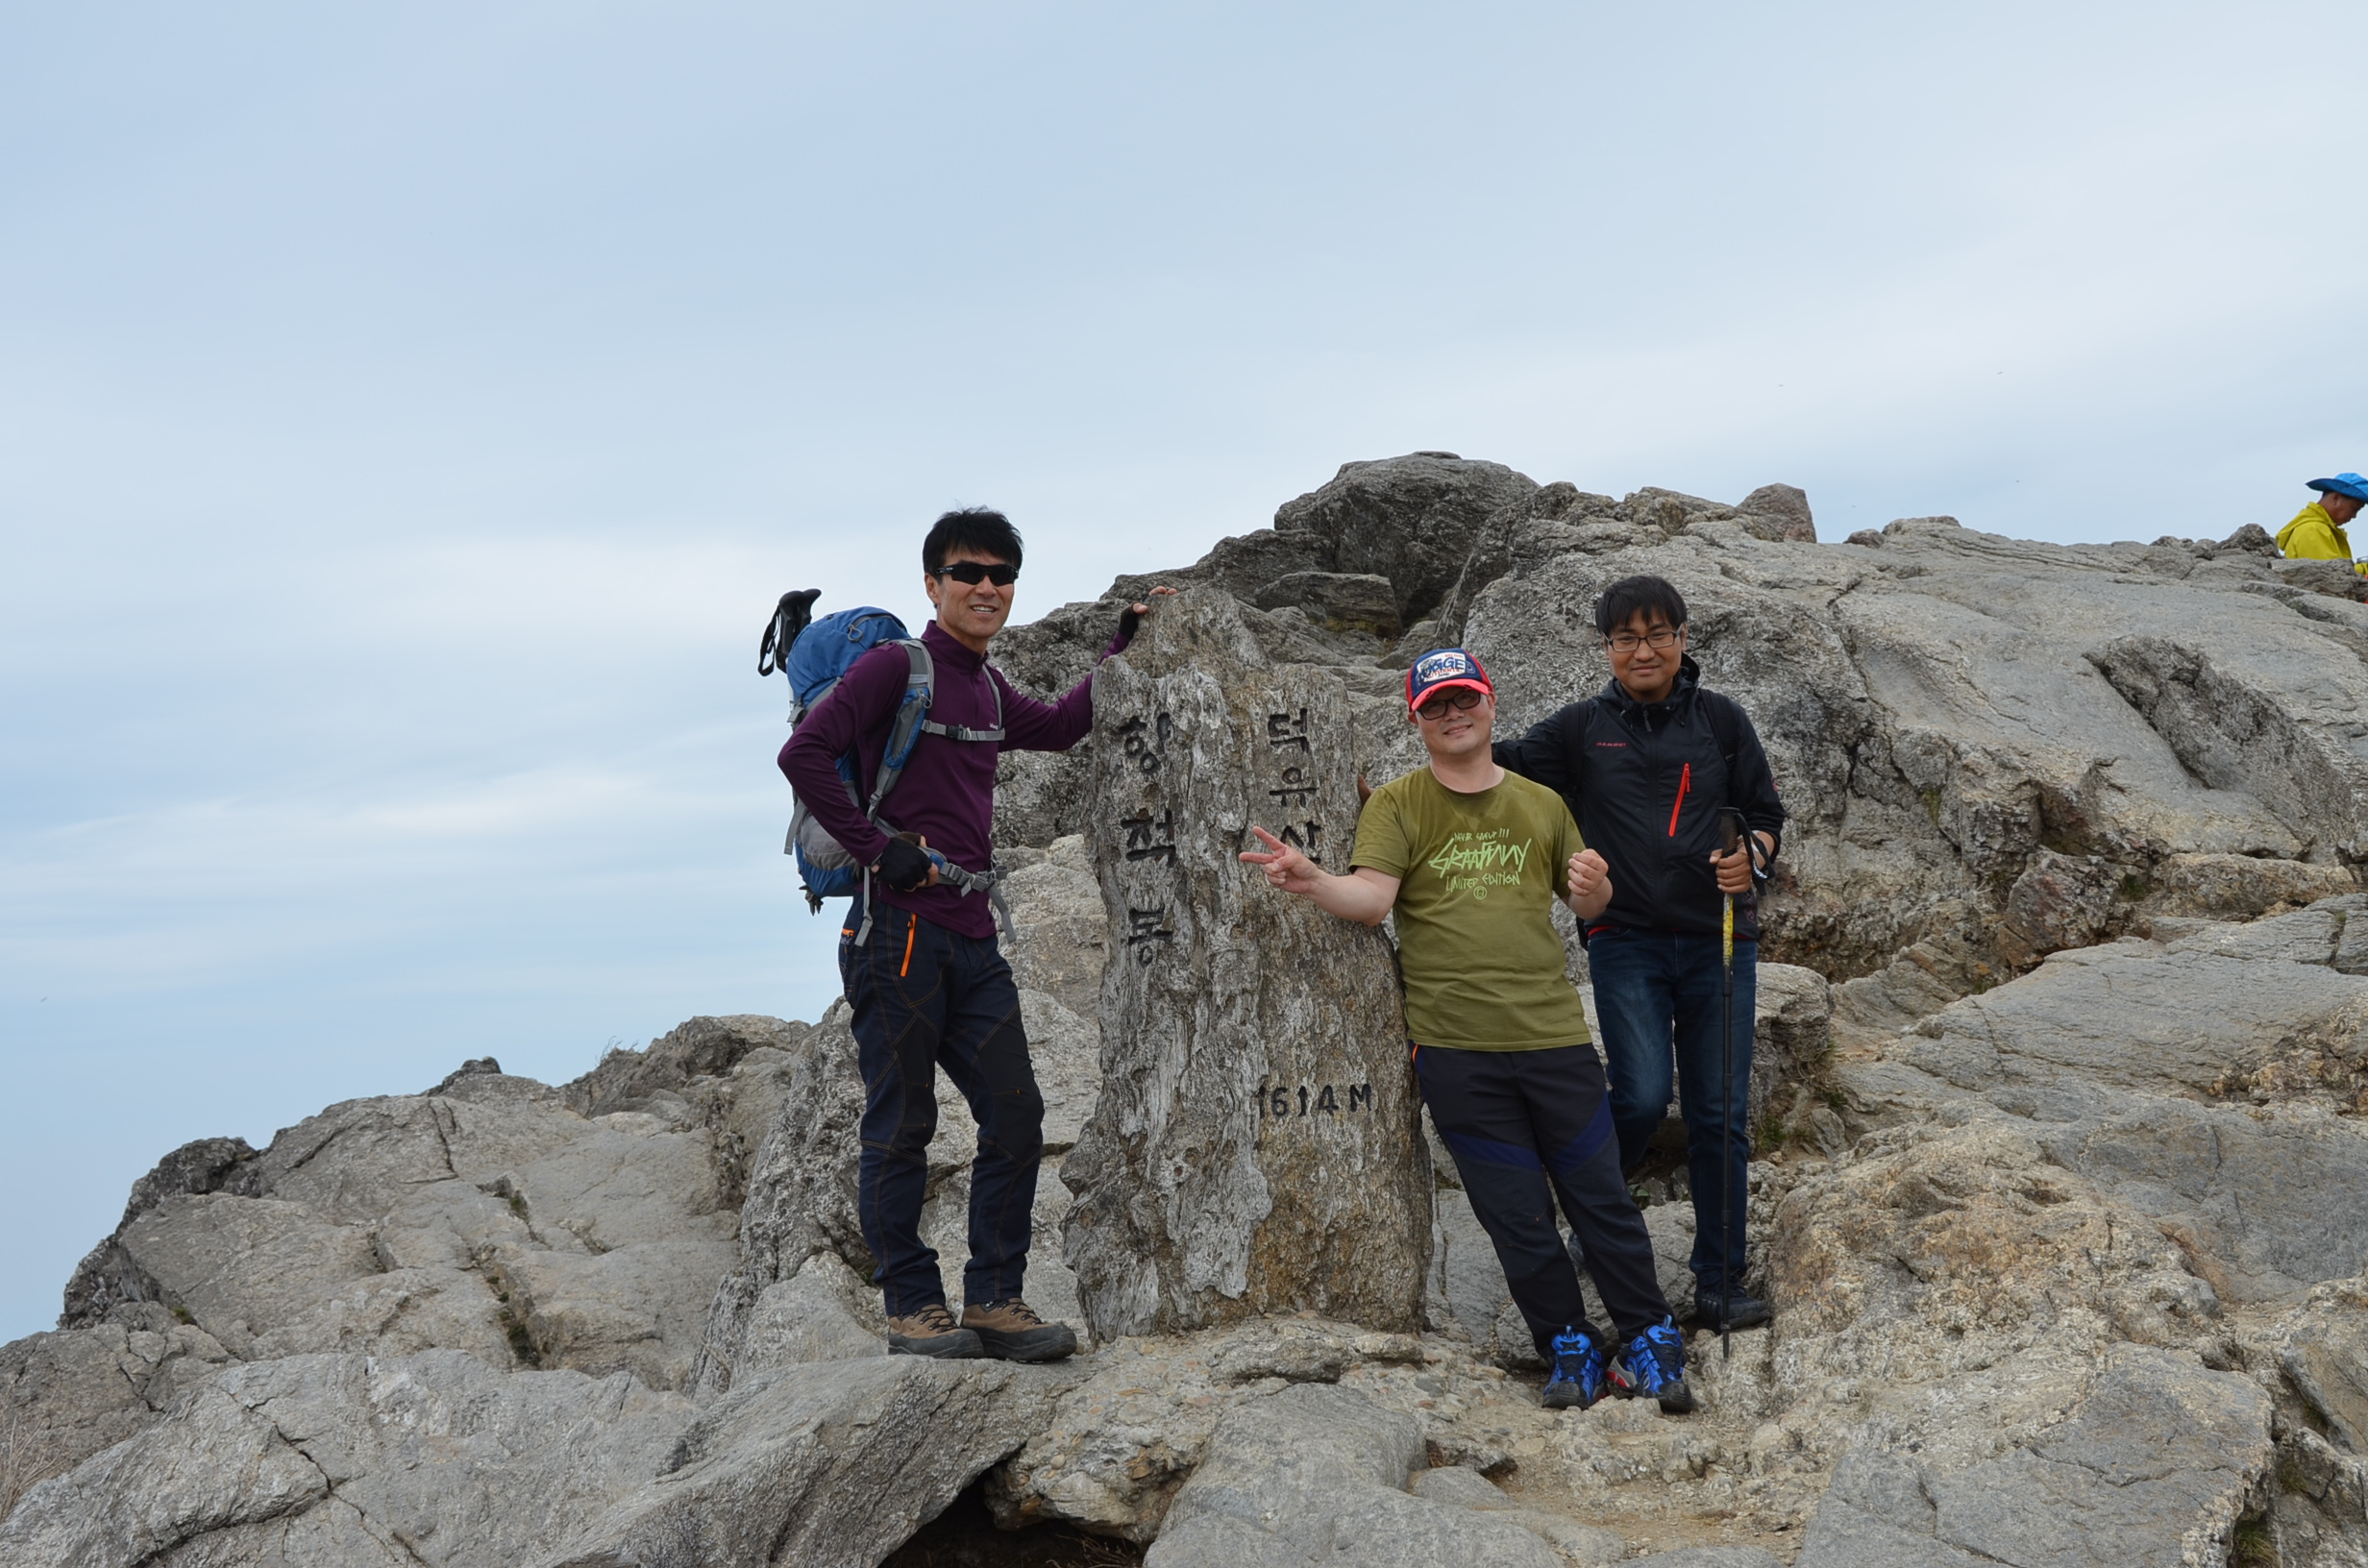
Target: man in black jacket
{"x": 1649, "y": 765}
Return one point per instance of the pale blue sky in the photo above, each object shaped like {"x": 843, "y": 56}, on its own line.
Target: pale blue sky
{"x": 407, "y": 419}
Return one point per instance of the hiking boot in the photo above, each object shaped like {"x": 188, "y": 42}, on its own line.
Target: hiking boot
{"x": 1653, "y": 1366}
{"x": 1010, "y": 1330}
{"x": 1578, "y": 1372}
{"x": 1742, "y": 1311}
{"x": 932, "y": 1332}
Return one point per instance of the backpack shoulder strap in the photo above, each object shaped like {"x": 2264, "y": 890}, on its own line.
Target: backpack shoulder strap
{"x": 912, "y": 714}
{"x": 963, "y": 733}
{"x": 1726, "y": 722}
{"x": 1722, "y": 713}
{"x": 1582, "y": 712}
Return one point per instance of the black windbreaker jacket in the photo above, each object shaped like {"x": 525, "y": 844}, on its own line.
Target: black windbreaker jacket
{"x": 1645, "y": 782}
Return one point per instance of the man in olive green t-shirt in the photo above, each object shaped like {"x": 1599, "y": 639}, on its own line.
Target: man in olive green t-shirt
{"x": 1470, "y": 858}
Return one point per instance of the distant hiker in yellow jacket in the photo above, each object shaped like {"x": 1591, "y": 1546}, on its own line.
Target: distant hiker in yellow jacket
{"x": 2316, "y": 533}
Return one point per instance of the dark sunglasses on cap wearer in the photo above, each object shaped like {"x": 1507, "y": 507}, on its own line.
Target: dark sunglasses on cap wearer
{"x": 974, "y": 572}
{"x": 1461, "y": 699}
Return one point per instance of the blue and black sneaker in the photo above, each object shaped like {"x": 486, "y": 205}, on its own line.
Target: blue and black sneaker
{"x": 1578, "y": 1371}
{"x": 1653, "y": 1366}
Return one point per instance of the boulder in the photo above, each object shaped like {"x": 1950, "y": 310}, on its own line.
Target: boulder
{"x": 108, "y": 1277}
{"x": 1793, "y": 1038}
{"x": 1412, "y": 520}
{"x": 820, "y": 1466}
{"x": 2158, "y": 1463}
{"x": 1063, "y": 940}
{"x": 2241, "y": 887}
{"x": 800, "y": 1193}
{"x": 1938, "y": 1252}
{"x": 1338, "y": 601}
{"x": 327, "y": 1461}
{"x": 2334, "y": 579}
{"x": 1460, "y": 1486}
{"x": 1317, "y": 1475}
{"x": 1256, "y": 1147}
{"x": 2325, "y": 1355}
{"x": 1779, "y": 512}
{"x": 65, "y": 1396}
{"x": 2122, "y": 1060}
{"x": 702, "y": 1047}
{"x": 823, "y": 1313}
{"x": 2059, "y": 901}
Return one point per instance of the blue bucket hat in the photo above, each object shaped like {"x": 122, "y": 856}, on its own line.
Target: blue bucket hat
{"x": 2344, "y": 484}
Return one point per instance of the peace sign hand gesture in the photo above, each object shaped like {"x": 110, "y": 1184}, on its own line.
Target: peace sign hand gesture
{"x": 1286, "y": 867}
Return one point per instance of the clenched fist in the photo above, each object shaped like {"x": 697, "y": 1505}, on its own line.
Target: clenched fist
{"x": 1588, "y": 871}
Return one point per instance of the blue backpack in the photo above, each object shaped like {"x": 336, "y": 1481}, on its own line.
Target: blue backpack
{"x": 814, "y": 654}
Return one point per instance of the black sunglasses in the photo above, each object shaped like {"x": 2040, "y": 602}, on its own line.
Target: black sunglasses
{"x": 978, "y": 572}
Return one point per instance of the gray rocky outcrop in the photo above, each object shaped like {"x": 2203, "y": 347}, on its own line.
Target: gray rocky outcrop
{"x": 1256, "y": 1147}
{"x": 2156, "y": 1464}
{"x": 354, "y": 1459}
{"x": 829, "y": 1466}
{"x": 1317, "y": 1475}
{"x": 2060, "y": 1086}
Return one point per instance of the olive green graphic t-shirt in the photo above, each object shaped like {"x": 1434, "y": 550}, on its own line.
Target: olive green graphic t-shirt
{"x": 1477, "y": 879}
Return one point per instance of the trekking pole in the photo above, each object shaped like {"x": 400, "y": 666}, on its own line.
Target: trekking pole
{"x": 1729, "y": 839}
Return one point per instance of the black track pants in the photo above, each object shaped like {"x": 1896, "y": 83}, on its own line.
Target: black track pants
{"x": 928, "y": 999}
{"x": 1526, "y": 1128}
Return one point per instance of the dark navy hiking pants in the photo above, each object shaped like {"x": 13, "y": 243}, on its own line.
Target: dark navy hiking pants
{"x": 1657, "y": 996}
{"x": 924, "y": 998}
{"x": 1526, "y": 1128}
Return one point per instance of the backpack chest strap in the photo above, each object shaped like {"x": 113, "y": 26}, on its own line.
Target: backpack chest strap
{"x": 963, "y": 733}
{"x": 960, "y": 732}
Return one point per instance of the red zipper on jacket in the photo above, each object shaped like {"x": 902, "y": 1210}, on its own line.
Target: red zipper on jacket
{"x": 1684, "y": 779}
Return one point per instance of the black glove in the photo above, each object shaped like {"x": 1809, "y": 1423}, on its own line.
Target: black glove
{"x": 903, "y": 864}
{"x": 1129, "y": 619}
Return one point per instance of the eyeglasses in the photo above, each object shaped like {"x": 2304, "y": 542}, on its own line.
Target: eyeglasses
{"x": 978, "y": 572}
{"x": 1462, "y": 699}
{"x": 1659, "y": 638}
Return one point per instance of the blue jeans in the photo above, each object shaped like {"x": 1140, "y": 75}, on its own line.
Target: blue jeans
{"x": 1658, "y": 995}
{"x": 926, "y": 997}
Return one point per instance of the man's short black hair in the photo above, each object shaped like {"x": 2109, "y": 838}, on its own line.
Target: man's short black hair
{"x": 980, "y": 530}
{"x": 1621, "y": 601}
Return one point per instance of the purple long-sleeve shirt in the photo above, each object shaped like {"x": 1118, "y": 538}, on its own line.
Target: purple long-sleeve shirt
{"x": 946, "y": 793}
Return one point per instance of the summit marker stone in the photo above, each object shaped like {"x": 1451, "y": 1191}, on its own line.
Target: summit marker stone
{"x": 1256, "y": 1147}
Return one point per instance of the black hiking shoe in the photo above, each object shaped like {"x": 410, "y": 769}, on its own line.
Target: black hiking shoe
{"x": 1010, "y": 1330}
{"x": 1653, "y": 1366}
{"x": 932, "y": 1332}
{"x": 1742, "y": 1311}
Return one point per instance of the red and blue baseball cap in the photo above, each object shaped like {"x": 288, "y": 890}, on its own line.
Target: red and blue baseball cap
{"x": 1440, "y": 669}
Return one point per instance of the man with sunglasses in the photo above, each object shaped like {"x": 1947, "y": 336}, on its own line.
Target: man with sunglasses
{"x": 1649, "y": 766}
{"x": 928, "y": 986}
{"x": 1469, "y": 859}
